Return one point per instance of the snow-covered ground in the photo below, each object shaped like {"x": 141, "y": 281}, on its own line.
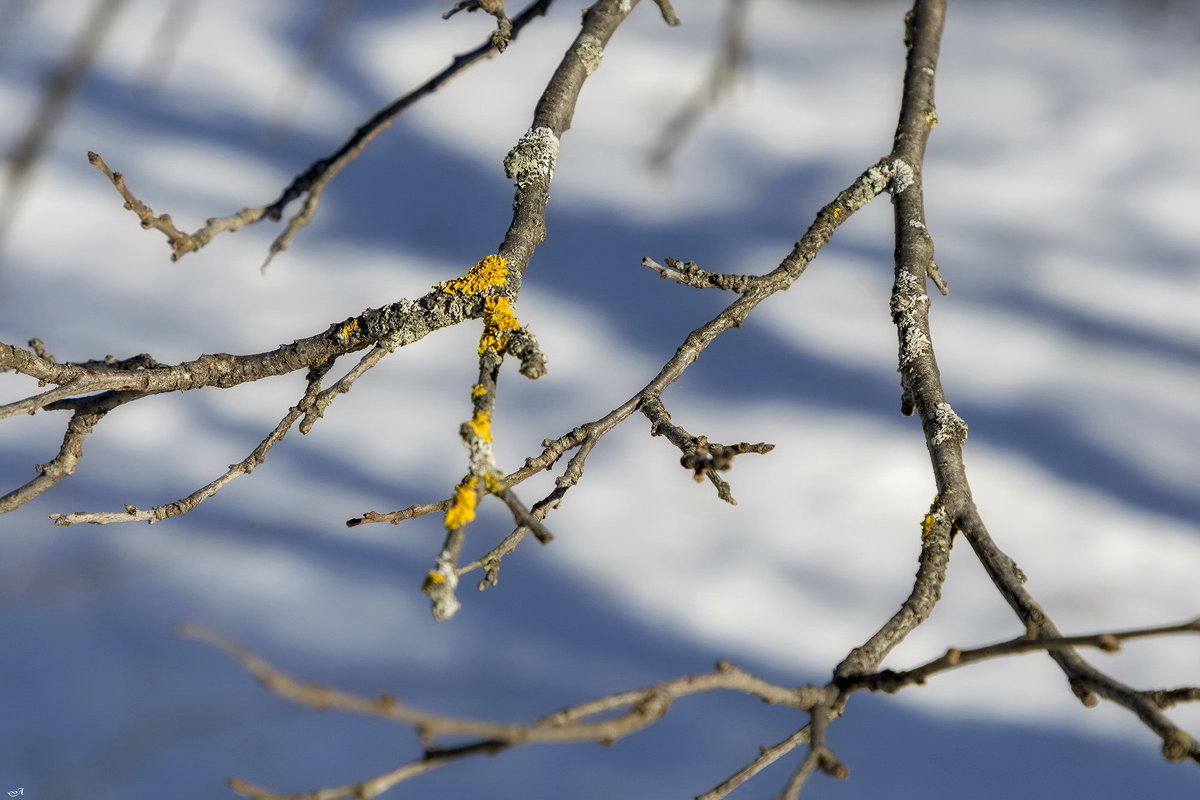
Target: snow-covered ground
{"x": 1063, "y": 191}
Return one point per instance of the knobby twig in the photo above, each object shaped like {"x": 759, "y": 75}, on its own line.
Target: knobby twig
{"x": 504, "y": 27}
{"x": 702, "y": 457}
{"x": 311, "y": 183}
{"x": 923, "y": 394}
{"x": 689, "y": 274}
{"x": 1110, "y": 642}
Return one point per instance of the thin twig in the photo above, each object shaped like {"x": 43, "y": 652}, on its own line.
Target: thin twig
{"x": 702, "y": 457}
{"x": 311, "y": 183}
{"x": 243, "y": 467}
{"x": 1109, "y": 642}
{"x": 689, "y": 274}
{"x": 572, "y": 724}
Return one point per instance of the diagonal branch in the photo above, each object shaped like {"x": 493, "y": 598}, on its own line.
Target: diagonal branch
{"x": 244, "y": 467}
{"x": 93, "y": 388}
{"x": 311, "y": 183}
{"x": 922, "y": 390}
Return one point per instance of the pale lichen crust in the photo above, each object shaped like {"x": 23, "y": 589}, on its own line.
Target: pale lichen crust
{"x": 532, "y": 158}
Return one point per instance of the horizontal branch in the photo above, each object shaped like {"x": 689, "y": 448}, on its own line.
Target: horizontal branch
{"x": 1110, "y": 642}
{"x": 391, "y": 326}
{"x": 244, "y": 467}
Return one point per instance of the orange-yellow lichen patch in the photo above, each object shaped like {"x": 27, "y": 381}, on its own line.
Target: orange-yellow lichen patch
{"x": 481, "y": 425}
{"x": 490, "y": 273}
{"x": 478, "y": 390}
{"x": 935, "y": 515}
{"x": 498, "y": 320}
{"x": 462, "y": 508}
{"x": 349, "y": 327}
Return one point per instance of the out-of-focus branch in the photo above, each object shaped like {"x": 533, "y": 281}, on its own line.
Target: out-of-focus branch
{"x": 634, "y": 709}
{"x": 320, "y": 43}
{"x": 160, "y": 55}
{"x": 729, "y": 61}
{"x": 65, "y": 81}
{"x": 373, "y": 787}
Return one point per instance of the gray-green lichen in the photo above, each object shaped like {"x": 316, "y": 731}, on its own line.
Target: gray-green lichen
{"x": 870, "y": 184}
{"x": 950, "y": 426}
{"x": 440, "y": 586}
{"x": 902, "y": 176}
{"x": 907, "y": 298}
{"x": 913, "y": 344}
{"x": 591, "y": 52}
{"x": 532, "y": 158}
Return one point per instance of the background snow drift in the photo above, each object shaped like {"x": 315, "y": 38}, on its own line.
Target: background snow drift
{"x": 1064, "y": 195}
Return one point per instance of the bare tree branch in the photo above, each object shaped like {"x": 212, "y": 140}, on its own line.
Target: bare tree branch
{"x": 923, "y": 394}
{"x": 311, "y": 183}
{"x": 1109, "y": 642}
{"x": 489, "y": 292}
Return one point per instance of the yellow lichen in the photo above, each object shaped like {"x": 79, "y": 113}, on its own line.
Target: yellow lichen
{"x": 348, "y": 328}
{"x": 492, "y": 483}
{"x": 498, "y": 320}
{"x": 433, "y": 578}
{"x": 935, "y": 515}
{"x": 490, "y": 273}
{"x": 477, "y": 391}
{"x": 462, "y": 508}
{"x": 481, "y": 424}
